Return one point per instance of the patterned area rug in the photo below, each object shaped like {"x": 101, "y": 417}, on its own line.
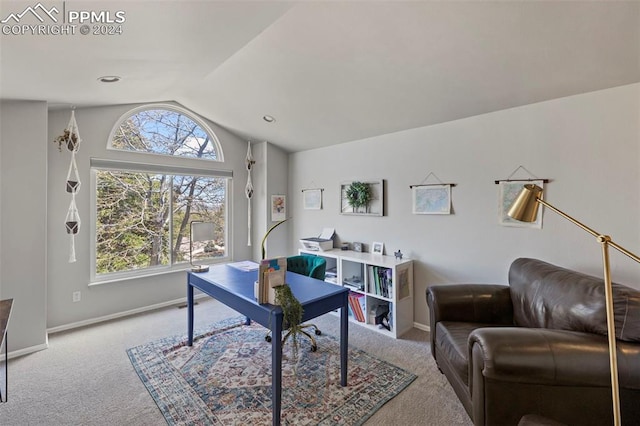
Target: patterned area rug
{"x": 225, "y": 378}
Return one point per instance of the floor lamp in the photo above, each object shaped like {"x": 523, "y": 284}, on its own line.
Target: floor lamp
{"x": 199, "y": 231}
{"x": 525, "y": 209}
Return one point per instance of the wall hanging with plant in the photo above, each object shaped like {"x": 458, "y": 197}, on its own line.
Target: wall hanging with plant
{"x": 362, "y": 197}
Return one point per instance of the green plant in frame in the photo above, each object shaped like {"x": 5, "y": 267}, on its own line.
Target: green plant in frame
{"x": 358, "y": 195}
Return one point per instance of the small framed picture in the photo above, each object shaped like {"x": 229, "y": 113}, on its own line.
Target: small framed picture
{"x": 377, "y": 248}
{"x": 278, "y": 208}
{"x": 357, "y": 247}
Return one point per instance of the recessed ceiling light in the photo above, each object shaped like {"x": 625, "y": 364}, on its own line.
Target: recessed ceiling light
{"x": 109, "y": 79}
{"x": 268, "y": 118}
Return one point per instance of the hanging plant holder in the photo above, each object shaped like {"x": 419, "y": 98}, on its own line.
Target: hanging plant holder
{"x": 70, "y": 138}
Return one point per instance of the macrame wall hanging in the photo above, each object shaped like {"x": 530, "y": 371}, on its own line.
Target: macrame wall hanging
{"x": 71, "y": 140}
{"x": 248, "y": 190}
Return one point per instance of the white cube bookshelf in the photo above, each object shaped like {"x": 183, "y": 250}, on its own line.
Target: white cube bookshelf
{"x": 374, "y": 280}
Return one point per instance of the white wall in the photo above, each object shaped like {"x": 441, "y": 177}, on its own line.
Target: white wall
{"x": 269, "y": 175}
{"x": 588, "y": 145}
{"x": 23, "y": 221}
{"x": 101, "y": 300}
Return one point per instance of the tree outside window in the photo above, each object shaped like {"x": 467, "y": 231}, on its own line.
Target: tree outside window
{"x": 142, "y": 217}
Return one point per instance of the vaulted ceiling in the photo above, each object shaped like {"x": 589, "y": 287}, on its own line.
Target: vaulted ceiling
{"x": 328, "y": 72}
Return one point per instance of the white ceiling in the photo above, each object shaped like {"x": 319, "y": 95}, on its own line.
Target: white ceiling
{"x": 329, "y": 72}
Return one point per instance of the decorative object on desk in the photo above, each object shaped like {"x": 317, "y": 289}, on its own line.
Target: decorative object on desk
{"x": 199, "y": 231}
{"x": 248, "y": 189}
{"x": 278, "y": 208}
{"x": 398, "y": 254}
{"x": 431, "y": 198}
{"x": 312, "y": 199}
{"x": 357, "y": 247}
{"x": 362, "y": 198}
{"x": 525, "y": 208}
{"x": 344, "y": 246}
{"x": 223, "y": 378}
{"x": 508, "y": 191}
{"x": 264, "y": 238}
{"x": 291, "y": 317}
{"x": 71, "y": 139}
{"x": 377, "y": 248}
{"x": 271, "y": 274}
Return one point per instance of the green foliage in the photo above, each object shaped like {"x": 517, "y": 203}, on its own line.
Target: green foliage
{"x": 292, "y": 313}
{"x": 358, "y": 195}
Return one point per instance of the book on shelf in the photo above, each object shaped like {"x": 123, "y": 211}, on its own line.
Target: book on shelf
{"x": 357, "y": 303}
{"x": 380, "y": 280}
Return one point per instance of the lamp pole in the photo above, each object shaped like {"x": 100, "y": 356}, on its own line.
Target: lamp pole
{"x": 525, "y": 208}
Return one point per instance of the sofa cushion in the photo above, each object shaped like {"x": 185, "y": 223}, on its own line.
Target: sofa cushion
{"x": 548, "y": 296}
{"x": 452, "y": 339}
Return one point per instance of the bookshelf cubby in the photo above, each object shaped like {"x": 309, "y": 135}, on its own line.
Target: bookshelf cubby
{"x": 375, "y": 282}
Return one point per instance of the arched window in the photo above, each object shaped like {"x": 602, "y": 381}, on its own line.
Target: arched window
{"x": 165, "y": 130}
{"x": 144, "y": 205}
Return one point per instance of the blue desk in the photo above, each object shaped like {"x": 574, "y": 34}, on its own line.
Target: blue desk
{"x": 234, "y": 288}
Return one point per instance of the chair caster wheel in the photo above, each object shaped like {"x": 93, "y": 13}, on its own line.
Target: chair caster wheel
{"x": 267, "y": 338}
{"x": 318, "y": 332}
{"x": 314, "y": 348}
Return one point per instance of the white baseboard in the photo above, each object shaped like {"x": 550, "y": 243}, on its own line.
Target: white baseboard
{"x": 91, "y": 321}
{"x": 27, "y": 351}
{"x": 421, "y": 326}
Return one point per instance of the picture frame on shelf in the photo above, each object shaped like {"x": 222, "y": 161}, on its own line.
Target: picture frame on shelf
{"x": 357, "y": 247}
{"x": 377, "y": 248}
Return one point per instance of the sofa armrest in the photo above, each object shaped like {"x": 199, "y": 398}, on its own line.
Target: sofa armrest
{"x": 479, "y": 303}
{"x": 509, "y": 365}
{"x": 541, "y": 356}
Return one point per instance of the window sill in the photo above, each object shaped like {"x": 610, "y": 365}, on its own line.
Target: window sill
{"x": 159, "y": 272}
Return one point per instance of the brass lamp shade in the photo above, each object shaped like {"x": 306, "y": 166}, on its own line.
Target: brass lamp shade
{"x": 525, "y": 207}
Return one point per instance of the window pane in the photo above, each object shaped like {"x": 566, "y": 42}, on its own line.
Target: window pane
{"x": 132, "y": 221}
{"x": 166, "y": 132}
{"x": 201, "y": 199}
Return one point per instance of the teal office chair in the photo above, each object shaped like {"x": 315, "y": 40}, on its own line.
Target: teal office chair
{"x": 314, "y": 267}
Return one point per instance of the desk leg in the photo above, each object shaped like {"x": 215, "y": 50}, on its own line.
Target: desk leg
{"x": 344, "y": 342}
{"x": 189, "y": 314}
{"x": 276, "y": 367}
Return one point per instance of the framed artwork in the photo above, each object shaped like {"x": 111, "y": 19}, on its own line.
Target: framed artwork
{"x": 312, "y": 199}
{"x": 509, "y": 190}
{"x": 431, "y": 199}
{"x": 278, "y": 208}
{"x": 375, "y": 196}
{"x": 377, "y": 248}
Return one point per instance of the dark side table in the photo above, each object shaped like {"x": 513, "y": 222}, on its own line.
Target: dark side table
{"x": 5, "y": 313}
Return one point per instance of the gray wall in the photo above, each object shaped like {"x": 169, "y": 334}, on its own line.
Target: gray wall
{"x": 23, "y": 220}
{"x": 589, "y": 145}
{"x": 95, "y": 124}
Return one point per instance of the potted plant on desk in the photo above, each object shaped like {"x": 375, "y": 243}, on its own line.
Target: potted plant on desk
{"x": 291, "y": 308}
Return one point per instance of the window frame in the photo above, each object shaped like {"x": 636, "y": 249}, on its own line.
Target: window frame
{"x": 160, "y": 164}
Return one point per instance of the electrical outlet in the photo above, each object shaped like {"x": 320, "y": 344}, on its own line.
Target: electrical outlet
{"x": 76, "y": 296}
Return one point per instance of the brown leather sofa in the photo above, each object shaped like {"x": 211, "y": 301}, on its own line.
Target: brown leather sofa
{"x": 537, "y": 346}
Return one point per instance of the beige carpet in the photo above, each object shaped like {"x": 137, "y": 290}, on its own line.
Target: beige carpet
{"x": 86, "y": 378}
